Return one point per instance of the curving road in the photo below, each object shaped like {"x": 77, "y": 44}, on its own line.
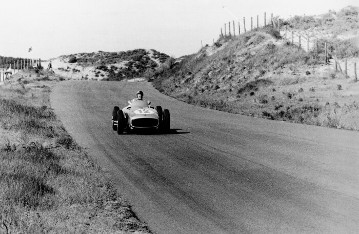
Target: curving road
{"x": 218, "y": 172}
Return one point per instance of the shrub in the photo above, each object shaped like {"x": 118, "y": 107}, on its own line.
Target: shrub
{"x": 263, "y": 99}
{"x": 66, "y": 141}
{"x": 72, "y": 59}
{"x": 267, "y": 115}
{"x": 273, "y": 32}
{"x": 290, "y": 95}
{"x": 254, "y": 85}
{"x": 278, "y": 106}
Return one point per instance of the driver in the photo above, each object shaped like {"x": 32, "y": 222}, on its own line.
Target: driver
{"x": 139, "y": 97}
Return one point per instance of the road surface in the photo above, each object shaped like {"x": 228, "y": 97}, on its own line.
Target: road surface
{"x": 217, "y": 172}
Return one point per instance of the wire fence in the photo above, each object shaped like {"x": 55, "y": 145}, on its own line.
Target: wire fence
{"x": 315, "y": 45}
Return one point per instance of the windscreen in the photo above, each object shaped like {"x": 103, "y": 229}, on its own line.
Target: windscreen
{"x": 139, "y": 103}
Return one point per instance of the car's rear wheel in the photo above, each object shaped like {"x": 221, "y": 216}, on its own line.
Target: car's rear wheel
{"x": 166, "y": 120}
{"x": 160, "y": 116}
{"x": 120, "y": 122}
{"x": 114, "y": 117}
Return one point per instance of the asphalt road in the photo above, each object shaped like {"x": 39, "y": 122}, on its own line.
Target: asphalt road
{"x": 218, "y": 172}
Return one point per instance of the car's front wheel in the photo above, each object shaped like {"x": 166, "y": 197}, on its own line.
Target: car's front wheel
{"x": 120, "y": 122}
{"x": 114, "y": 118}
{"x": 160, "y": 116}
{"x": 166, "y": 125}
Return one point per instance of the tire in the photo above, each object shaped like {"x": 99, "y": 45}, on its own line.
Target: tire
{"x": 166, "y": 120}
{"x": 114, "y": 117}
{"x": 160, "y": 116}
{"x": 120, "y": 122}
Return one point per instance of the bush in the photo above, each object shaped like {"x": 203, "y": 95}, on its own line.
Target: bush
{"x": 72, "y": 59}
{"x": 66, "y": 141}
{"x": 273, "y": 32}
{"x": 263, "y": 99}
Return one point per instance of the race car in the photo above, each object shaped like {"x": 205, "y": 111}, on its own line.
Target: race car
{"x": 140, "y": 115}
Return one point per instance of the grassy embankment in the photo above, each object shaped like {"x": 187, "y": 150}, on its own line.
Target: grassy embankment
{"x": 47, "y": 182}
{"x": 261, "y": 75}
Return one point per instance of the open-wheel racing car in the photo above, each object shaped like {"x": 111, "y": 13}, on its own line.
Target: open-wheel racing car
{"x": 139, "y": 115}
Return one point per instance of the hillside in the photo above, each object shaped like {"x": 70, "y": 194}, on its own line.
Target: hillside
{"x": 261, "y": 74}
{"x": 108, "y": 65}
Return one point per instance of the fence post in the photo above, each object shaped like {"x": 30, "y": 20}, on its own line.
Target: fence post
{"x": 251, "y": 23}
{"x": 271, "y": 19}
{"x": 229, "y": 28}
{"x": 326, "y": 52}
{"x": 225, "y": 29}
{"x": 265, "y": 16}
{"x": 234, "y": 28}
{"x": 355, "y": 72}
{"x": 300, "y": 42}
{"x": 308, "y": 44}
{"x": 257, "y": 21}
{"x": 221, "y": 33}
{"x": 336, "y": 66}
{"x": 244, "y": 24}
{"x": 239, "y": 28}
{"x": 346, "y": 68}
{"x": 292, "y": 37}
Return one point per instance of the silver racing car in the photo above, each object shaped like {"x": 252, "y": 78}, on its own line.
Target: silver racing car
{"x": 140, "y": 115}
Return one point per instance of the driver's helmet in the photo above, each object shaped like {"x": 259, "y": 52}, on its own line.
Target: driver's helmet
{"x": 139, "y": 92}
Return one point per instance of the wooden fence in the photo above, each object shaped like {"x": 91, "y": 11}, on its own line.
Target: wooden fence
{"x": 9, "y": 69}
{"x": 233, "y": 28}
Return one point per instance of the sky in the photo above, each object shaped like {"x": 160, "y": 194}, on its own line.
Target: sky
{"x": 175, "y": 27}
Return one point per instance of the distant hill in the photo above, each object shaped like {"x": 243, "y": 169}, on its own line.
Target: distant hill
{"x": 109, "y": 65}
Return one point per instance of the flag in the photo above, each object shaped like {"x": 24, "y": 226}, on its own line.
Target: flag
{"x": 30, "y": 49}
